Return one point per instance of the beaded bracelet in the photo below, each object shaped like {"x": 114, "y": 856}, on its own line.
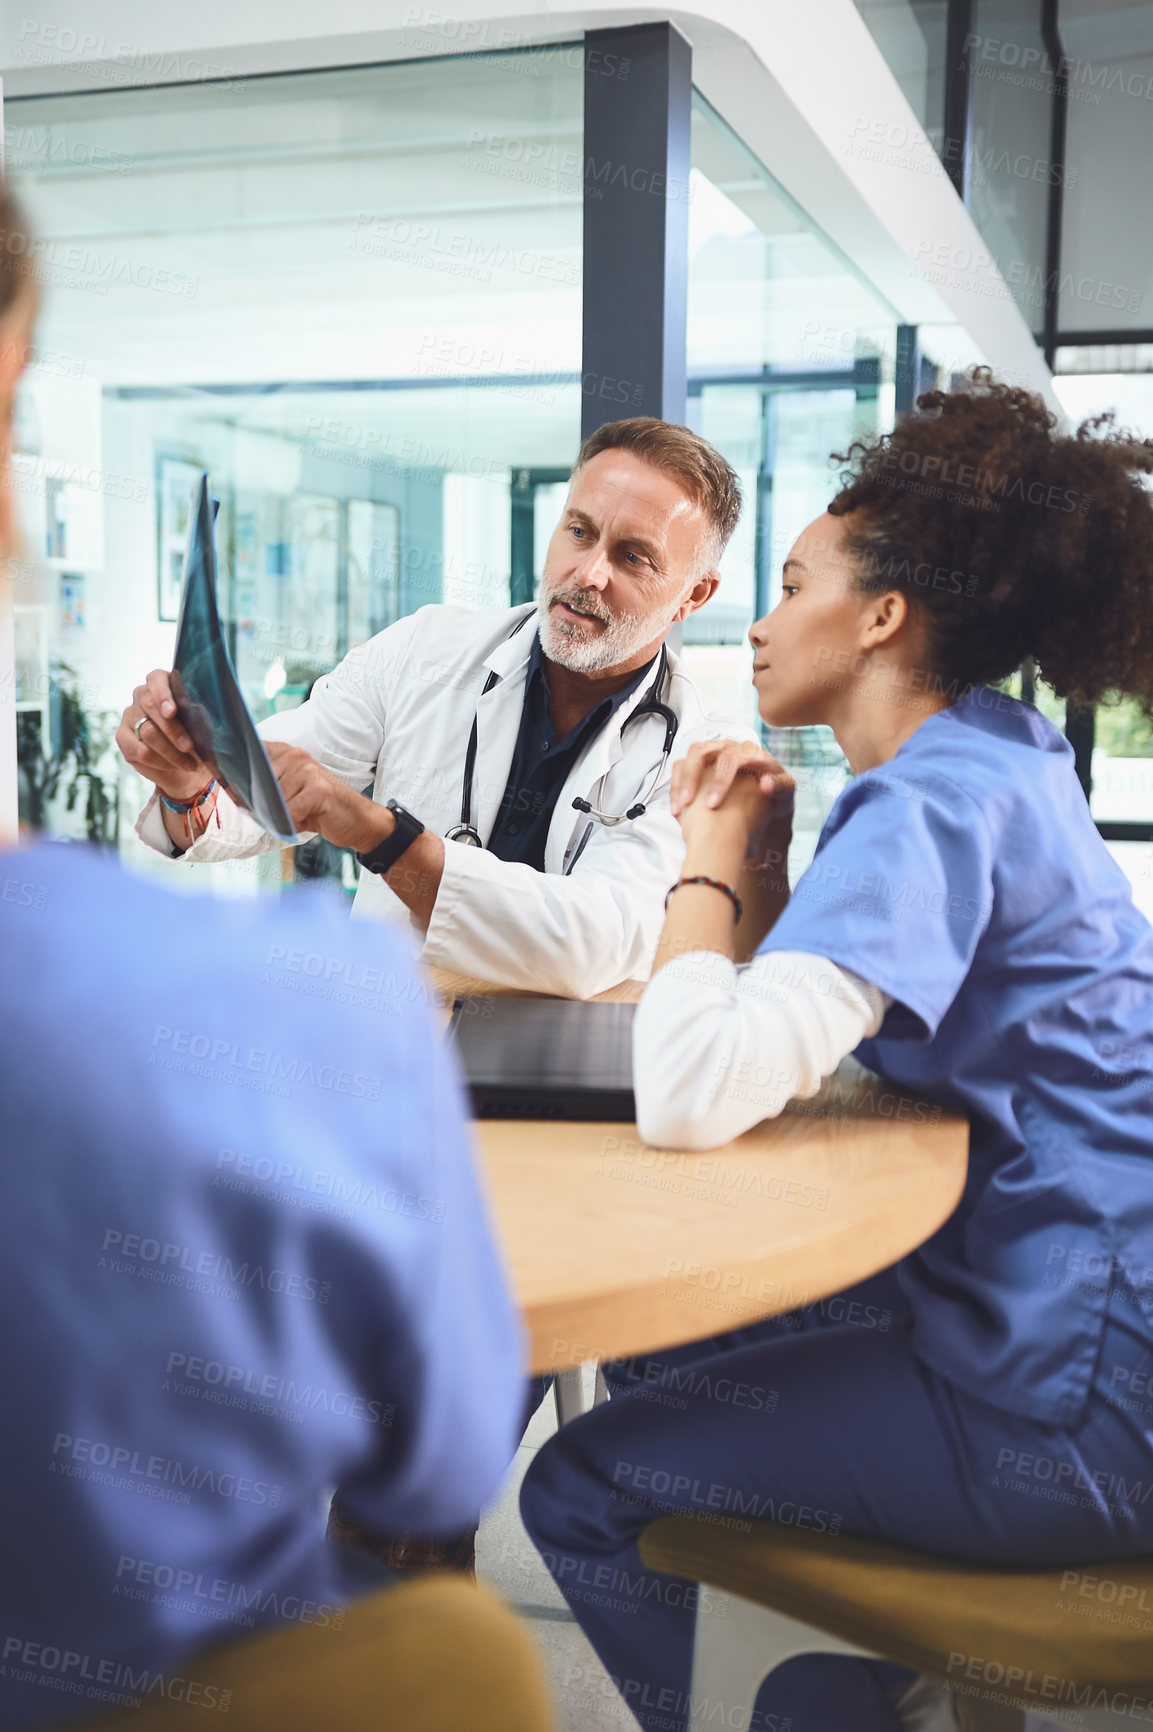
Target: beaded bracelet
{"x": 713, "y": 884}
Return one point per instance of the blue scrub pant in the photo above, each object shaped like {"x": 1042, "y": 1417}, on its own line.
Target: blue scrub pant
{"x": 824, "y": 1419}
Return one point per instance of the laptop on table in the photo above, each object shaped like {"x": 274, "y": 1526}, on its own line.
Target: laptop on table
{"x": 546, "y": 1058}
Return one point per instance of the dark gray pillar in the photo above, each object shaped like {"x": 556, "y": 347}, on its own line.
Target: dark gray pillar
{"x": 907, "y": 381}
{"x": 1058, "y": 126}
{"x": 956, "y": 145}
{"x": 638, "y": 96}
{"x": 521, "y": 526}
{"x": 1079, "y": 730}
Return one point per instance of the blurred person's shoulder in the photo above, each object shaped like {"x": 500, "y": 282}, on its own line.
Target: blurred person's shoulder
{"x": 70, "y": 911}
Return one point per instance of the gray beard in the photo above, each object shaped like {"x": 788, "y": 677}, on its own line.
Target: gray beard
{"x": 621, "y": 637}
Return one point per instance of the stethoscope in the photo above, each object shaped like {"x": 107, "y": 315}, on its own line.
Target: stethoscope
{"x": 652, "y": 705}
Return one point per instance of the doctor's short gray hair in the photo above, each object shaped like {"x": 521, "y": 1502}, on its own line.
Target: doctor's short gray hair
{"x": 703, "y": 473}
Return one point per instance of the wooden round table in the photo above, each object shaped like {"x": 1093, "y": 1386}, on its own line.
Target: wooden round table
{"x": 617, "y": 1248}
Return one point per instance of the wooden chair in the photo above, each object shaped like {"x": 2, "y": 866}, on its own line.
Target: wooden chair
{"x": 1005, "y": 1640}
{"x": 431, "y": 1655}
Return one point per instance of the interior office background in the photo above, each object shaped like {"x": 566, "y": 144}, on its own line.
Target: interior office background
{"x": 351, "y": 278}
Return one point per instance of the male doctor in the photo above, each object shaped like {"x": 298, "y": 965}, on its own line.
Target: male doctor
{"x": 510, "y": 728}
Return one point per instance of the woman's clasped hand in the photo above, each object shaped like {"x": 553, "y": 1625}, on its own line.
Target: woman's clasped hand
{"x": 735, "y": 790}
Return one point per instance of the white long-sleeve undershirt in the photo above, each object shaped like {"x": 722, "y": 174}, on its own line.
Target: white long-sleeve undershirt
{"x": 717, "y": 1048}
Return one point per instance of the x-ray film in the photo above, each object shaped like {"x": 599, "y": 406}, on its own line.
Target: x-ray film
{"x": 207, "y": 694}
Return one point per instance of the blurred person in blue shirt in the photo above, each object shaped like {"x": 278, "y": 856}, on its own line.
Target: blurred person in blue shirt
{"x": 244, "y": 1258}
{"x": 964, "y": 929}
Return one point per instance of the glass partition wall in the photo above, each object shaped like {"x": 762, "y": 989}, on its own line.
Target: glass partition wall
{"x": 911, "y": 34}
{"x": 354, "y": 298}
{"x": 791, "y": 356}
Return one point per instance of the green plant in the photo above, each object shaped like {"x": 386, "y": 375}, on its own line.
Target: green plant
{"x": 82, "y": 740}
{"x": 1123, "y": 731}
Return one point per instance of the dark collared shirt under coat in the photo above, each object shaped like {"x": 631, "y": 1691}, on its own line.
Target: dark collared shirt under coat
{"x": 540, "y": 765}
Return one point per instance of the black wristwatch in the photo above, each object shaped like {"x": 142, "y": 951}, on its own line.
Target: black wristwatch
{"x": 386, "y": 855}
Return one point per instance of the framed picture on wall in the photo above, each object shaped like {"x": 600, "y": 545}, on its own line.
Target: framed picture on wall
{"x": 175, "y": 480}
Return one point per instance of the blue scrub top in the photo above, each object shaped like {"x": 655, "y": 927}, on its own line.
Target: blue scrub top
{"x": 244, "y": 1259}
{"x": 966, "y": 879}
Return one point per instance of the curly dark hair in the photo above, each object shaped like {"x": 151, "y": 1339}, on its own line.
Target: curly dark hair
{"x": 1012, "y": 539}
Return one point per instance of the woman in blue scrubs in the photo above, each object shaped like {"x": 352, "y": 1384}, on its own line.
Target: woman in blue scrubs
{"x": 965, "y": 930}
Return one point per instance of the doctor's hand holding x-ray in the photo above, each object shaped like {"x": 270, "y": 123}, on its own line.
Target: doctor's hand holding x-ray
{"x": 511, "y": 727}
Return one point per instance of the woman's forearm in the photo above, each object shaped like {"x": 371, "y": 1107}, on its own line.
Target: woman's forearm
{"x": 699, "y": 917}
{"x": 716, "y": 1050}
{"x": 764, "y": 892}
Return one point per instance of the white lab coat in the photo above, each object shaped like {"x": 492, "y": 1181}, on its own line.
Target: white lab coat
{"x": 397, "y": 712}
